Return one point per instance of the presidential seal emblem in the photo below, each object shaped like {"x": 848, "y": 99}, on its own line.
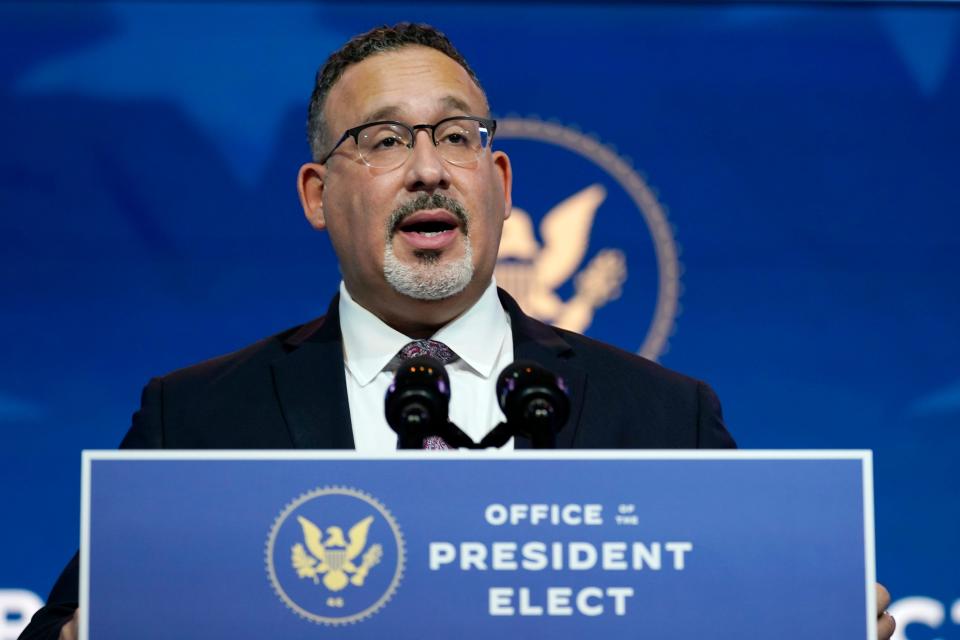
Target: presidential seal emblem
{"x": 335, "y": 555}
{"x": 584, "y": 199}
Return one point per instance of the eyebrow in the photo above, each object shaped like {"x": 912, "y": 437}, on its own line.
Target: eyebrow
{"x": 390, "y": 112}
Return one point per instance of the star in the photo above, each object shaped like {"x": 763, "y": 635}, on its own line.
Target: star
{"x": 235, "y": 70}
{"x": 925, "y": 39}
{"x": 942, "y": 401}
{"x": 13, "y": 409}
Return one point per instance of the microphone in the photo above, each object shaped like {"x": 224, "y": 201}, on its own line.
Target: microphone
{"x": 418, "y": 401}
{"x": 535, "y": 402}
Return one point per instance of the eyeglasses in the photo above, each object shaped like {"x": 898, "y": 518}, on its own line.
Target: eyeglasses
{"x": 386, "y": 144}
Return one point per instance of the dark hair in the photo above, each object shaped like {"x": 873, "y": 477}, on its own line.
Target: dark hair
{"x": 361, "y": 47}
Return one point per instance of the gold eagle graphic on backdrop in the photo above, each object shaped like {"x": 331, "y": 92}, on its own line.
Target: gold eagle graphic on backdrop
{"x": 532, "y": 274}
{"x": 333, "y": 558}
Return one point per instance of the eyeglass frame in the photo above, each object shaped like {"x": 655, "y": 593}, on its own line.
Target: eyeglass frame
{"x": 354, "y": 133}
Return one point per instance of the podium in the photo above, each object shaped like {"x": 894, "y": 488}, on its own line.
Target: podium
{"x": 506, "y": 545}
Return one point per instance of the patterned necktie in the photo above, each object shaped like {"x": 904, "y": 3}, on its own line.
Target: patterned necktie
{"x": 444, "y": 354}
{"x": 430, "y": 348}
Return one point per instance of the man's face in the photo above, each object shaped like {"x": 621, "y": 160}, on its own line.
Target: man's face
{"x": 427, "y": 229}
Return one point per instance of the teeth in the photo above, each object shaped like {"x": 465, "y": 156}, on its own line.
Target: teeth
{"x": 430, "y": 234}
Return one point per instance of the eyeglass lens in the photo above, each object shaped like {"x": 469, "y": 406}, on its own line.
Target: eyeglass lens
{"x": 388, "y": 145}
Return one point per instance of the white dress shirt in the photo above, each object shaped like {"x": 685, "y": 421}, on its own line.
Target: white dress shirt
{"x": 482, "y": 338}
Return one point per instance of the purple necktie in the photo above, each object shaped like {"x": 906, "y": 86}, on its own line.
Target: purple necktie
{"x": 430, "y": 348}
{"x": 444, "y": 354}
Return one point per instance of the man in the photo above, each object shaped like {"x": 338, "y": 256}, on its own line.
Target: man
{"x": 413, "y": 196}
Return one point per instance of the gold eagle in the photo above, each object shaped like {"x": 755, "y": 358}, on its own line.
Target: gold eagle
{"x": 532, "y": 274}
{"x": 333, "y": 558}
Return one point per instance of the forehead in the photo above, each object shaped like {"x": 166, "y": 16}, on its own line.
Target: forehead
{"x": 412, "y": 84}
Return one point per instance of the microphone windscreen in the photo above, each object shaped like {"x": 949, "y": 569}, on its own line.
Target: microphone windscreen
{"x": 533, "y": 398}
{"x": 418, "y": 400}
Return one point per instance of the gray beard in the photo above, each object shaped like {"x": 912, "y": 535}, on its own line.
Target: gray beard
{"x": 427, "y": 279}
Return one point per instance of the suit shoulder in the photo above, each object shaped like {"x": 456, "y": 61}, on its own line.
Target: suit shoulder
{"x": 646, "y": 404}
{"x": 253, "y": 357}
{"x": 600, "y": 357}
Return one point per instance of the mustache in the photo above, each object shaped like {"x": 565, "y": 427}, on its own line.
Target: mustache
{"x": 424, "y": 202}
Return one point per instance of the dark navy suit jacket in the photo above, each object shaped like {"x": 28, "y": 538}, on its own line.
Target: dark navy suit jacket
{"x": 288, "y": 391}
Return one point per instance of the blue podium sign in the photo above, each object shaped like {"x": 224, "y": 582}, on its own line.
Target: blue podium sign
{"x": 614, "y": 544}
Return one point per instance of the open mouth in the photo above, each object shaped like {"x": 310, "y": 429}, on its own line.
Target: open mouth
{"x": 433, "y": 229}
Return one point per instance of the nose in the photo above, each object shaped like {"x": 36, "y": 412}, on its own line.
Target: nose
{"x": 425, "y": 169}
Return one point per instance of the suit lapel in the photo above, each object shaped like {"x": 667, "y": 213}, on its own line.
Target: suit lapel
{"x": 311, "y": 386}
{"x": 533, "y": 340}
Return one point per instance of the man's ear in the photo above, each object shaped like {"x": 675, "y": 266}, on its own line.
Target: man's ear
{"x": 505, "y": 172}
{"x": 310, "y": 187}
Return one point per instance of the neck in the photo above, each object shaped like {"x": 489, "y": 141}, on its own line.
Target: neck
{"x": 420, "y": 318}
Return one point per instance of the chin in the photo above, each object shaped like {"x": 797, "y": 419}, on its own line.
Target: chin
{"x": 428, "y": 276}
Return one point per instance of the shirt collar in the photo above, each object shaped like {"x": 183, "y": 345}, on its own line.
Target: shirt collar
{"x": 477, "y": 335}
{"x": 369, "y": 344}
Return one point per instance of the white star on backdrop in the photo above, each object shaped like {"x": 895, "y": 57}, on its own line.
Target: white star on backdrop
{"x": 925, "y": 40}
{"x": 262, "y": 57}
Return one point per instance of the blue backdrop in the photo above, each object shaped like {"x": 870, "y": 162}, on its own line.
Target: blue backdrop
{"x": 785, "y": 208}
